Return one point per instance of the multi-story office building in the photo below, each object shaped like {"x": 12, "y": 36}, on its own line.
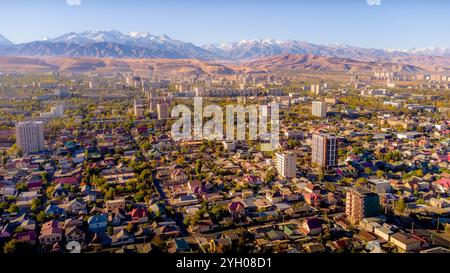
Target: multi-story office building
{"x": 30, "y": 136}
{"x": 285, "y": 164}
{"x": 319, "y": 109}
{"x": 361, "y": 203}
{"x": 325, "y": 150}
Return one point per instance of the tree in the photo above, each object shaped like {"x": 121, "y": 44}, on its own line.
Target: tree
{"x": 40, "y": 217}
{"x": 330, "y": 187}
{"x": 158, "y": 243}
{"x": 13, "y": 208}
{"x": 447, "y": 228}
{"x": 270, "y": 176}
{"x": 130, "y": 227}
{"x": 400, "y": 206}
{"x": 22, "y": 186}
{"x": 15, "y": 246}
{"x": 180, "y": 160}
{"x": 418, "y": 173}
{"x": 198, "y": 167}
{"x": 35, "y": 204}
{"x": 361, "y": 181}
{"x": 380, "y": 173}
{"x": 4, "y": 205}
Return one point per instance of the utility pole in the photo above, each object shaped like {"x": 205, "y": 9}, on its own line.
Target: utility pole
{"x": 437, "y": 225}
{"x": 412, "y": 227}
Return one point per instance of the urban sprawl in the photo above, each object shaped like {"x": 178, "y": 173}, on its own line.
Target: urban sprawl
{"x": 89, "y": 164}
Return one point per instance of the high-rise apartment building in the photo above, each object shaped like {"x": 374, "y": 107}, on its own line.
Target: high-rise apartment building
{"x": 325, "y": 150}
{"x": 316, "y": 89}
{"x": 138, "y": 109}
{"x": 30, "y": 136}
{"x": 319, "y": 109}
{"x": 162, "y": 110}
{"x": 285, "y": 163}
{"x": 361, "y": 203}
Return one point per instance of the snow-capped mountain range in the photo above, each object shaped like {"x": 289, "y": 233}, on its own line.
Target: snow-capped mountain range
{"x": 4, "y": 41}
{"x": 115, "y": 44}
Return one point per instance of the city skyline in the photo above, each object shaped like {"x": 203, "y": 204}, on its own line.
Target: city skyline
{"x": 365, "y": 23}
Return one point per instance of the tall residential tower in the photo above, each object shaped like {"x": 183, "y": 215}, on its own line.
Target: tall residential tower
{"x": 285, "y": 164}
{"x": 325, "y": 150}
{"x": 30, "y": 136}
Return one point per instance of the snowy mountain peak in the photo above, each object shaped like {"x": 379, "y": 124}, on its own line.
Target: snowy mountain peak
{"x": 4, "y": 41}
{"x": 137, "y": 35}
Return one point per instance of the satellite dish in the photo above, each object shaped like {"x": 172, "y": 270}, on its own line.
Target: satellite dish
{"x": 73, "y": 247}
{"x": 373, "y": 246}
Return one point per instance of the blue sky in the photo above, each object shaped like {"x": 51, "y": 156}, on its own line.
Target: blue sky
{"x": 400, "y": 24}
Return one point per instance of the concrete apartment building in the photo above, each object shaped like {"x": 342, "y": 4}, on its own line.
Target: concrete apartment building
{"x": 325, "y": 150}
{"x": 319, "y": 109}
{"x": 285, "y": 163}
{"x": 361, "y": 203}
{"x": 316, "y": 89}
{"x": 30, "y": 136}
{"x": 138, "y": 109}
{"x": 163, "y": 110}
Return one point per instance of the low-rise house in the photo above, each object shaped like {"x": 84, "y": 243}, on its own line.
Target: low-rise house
{"x": 28, "y": 196}
{"x": 60, "y": 191}
{"x": 203, "y": 226}
{"x": 405, "y": 242}
{"x": 383, "y": 232}
{"x": 76, "y": 207}
{"x": 74, "y": 233}
{"x": 312, "y": 188}
{"x": 122, "y": 237}
{"x": 28, "y": 224}
{"x": 186, "y": 200}
{"x": 73, "y": 222}
{"x": 98, "y": 222}
{"x": 442, "y": 185}
{"x": 312, "y": 199}
{"x": 179, "y": 245}
{"x": 178, "y": 176}
{"x": 169, "y": 230}
{"x": 28, "y": 237}
{"x": 314, "y": 247}
{"x": 51, "y": 233}
{"x": 117, "y": 204}
{"x": 311, "y": 226}
{"x": 274, "y": 197}
{"x": 139, "y": 214}
{"x": 236, "y": 209}
{"x": 52, "y": 210}
{"x": 439, "y": 203}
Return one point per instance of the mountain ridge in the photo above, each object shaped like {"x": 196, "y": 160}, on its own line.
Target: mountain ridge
{"x": 4, "y": 41}
{"x": 286, "y": 62}
{"x": 144, "y": 44}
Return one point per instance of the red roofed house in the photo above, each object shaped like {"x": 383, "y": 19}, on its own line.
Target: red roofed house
{"x": 50, "y": 233}
{"x": 28, "y": 237}
{"x": 139, "y": 214}
{"x": 66, "y": 180}
{"x": 442, "y": 185}
{"x": 236, "y": 209}
{"x": 312, "y": 199}
{"x": 311, "y": 226}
